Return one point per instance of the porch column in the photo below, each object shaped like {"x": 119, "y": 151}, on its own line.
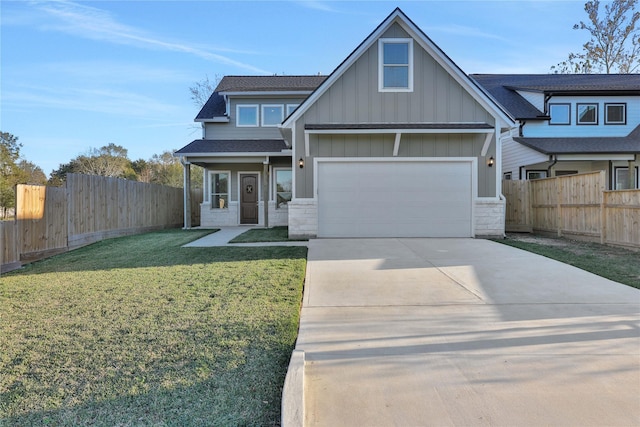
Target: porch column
{"x": 265, "y": 190}
{"x": 186, "y": 166}
{"x": 632, "y": 174}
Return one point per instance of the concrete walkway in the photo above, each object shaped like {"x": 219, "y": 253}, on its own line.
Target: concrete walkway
{"x": 460, "y": 332}
{"x": 225, "y": 234}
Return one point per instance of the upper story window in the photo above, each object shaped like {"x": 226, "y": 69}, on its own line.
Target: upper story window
{"x": 587, "y": 114}
{"x": 395, "y": 65}
{"x": 247, "y": 115}
{"x": 615, "y": 114}
{"x": 560, "y": 114}
{"x": 272, "y": 115}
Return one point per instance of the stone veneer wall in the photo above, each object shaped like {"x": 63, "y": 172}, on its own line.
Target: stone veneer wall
{"x": 303, "y": 218}
{"x": 489, "y": 217}
{"x": 218, "y": 217}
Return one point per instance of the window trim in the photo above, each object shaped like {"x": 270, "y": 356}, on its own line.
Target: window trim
{"x": 262, "y": 108}
{"x": 568, "y": 122}
{"x": 615, "y": 176}
{"x": 536, "y": 171}
{"x": 381, "y": 64}
{"x": 615, "y": 104}
{"x": 274, "y": 194}
{"x": 290, "y": 108}
{"x": 257, "y": 122}
{"x": 507, "y": 176}
{"x": 578, "y": 122}
{"x": 210, "y": 192}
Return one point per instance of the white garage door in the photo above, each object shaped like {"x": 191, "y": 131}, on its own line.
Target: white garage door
{"x": 394, "y": 199}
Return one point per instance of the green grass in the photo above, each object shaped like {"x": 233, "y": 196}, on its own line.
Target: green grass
{"x": 274, "y": 234}
{"x": 614, "y": 263}
{"x": 139, "y": 331}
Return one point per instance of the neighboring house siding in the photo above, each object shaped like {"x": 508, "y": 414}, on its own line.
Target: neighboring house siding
{"x": 354, "y": 98}
{"x": 231, "y": 131}
{"x": 536, "y": 99}
{"x": 515, "y": 155}
{"x": 544, "y": 129}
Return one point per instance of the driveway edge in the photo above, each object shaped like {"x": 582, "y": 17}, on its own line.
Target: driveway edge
{"x": 293, "y": 392}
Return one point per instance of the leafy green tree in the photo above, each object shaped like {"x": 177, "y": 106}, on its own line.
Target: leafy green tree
{"x": 14, "y": 171}
{"x": 614, "y": 46}
{"x": 110, "y": 160}
{"x": 165, "y": 169}
{"x": 32, "y": 174}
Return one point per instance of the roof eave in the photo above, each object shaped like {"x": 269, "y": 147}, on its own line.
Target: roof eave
{"x": 268, "y": 93}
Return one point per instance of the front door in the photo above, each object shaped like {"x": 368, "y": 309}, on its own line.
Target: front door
{"x": 249, "y": 199}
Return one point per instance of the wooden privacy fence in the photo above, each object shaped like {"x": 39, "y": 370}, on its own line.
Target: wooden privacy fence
{"x": 576, "y": 205}
{"x": 51, "y": 220}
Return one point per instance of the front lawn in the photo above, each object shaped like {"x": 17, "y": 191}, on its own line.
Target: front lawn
{"x": 273, "y": 234}
{"x": 140, "y": 331}
{"x": 614, "y": 263}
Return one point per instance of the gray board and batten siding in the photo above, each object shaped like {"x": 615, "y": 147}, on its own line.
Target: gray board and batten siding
{"x": 223, "y": 131}
{"x": 354, "y": 98}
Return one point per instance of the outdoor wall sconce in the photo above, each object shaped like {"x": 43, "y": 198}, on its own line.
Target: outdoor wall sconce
{"x": 301, "y": 162}
{"x": 490, "y": 162}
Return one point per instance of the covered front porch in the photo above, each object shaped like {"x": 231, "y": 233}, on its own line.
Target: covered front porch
{"x": 250, "y": 187}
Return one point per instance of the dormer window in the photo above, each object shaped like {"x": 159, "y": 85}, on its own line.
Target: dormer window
{"x": 395, "y": 65}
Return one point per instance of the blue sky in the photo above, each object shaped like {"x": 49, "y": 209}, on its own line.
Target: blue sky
{"x": 77, "y": 75}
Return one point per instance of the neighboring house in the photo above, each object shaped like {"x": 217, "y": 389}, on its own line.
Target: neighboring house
{"x": 569, "y": 124}
{"x": 398, "y": 141}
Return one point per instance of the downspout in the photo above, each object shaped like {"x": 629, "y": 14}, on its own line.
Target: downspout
{"x": 265, "y": 190}
{"x": 186, "y": 186}
{"x": 553, "y": 158}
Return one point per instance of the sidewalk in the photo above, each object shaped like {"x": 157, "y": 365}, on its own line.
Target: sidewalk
{"x": 225, "y": 234}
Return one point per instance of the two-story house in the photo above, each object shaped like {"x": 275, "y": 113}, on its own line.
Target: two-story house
{"x": 397, "y": 141}
{"x": 248, "y": 164}
{"x": 569, "y": 124}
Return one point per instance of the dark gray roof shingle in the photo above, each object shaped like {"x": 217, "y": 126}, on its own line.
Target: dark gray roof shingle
{"x": 629, "y": 144}
{"x": 269, "y": 83}
{"x": 215, "y": 106}
{"x": 202, "y": 146}
{"x": 503, "y": 87}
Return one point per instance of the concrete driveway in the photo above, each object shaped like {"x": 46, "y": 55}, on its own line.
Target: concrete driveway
{"x": 416, "y": 332}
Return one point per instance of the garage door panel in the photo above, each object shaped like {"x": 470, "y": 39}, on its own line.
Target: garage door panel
{"x": 394, "y": 199}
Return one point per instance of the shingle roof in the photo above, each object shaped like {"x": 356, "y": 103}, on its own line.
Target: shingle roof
{"x": 201, "y": 146}
{"x": 503, "y": 87}
{"x": 215, "y": 106}
{"x": 629, "y": 144}
{"x": 269, "y": 83}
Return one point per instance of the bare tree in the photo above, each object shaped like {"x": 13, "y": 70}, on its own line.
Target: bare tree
{"x": 614, "y": 46}
{"x": 202, "y": 90}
